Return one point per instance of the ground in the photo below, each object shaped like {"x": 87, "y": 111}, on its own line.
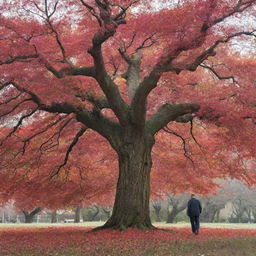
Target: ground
{"x": 75, "y": 240}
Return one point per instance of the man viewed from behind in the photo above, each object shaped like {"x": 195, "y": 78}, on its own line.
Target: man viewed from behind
{"x": 194, "y": 210}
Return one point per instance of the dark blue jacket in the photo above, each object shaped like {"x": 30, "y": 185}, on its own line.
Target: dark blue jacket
{"x": 194, "y": 207}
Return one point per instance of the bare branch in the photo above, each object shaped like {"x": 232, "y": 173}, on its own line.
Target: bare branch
{"x": 208, "y": 52}
{"x": 71, "y": 146}
{"x": 240, "y": 7}
{"x": 122, "y": 50}
{"x": 11, "y": 99}
{"x": 15, "y": 107}
{"x": 218, "y": 75}
{"x": 26, "y": 141}
{"x": 18, "y": 125}
{"x": 115, "y": 66}
{"x": 54, "y": 9}
{"x": 131, "y": 42}
{"x": 183, "y": 143}
{"x": 58, "y": 134}
{"x": 92, "y": 11}
{"x": 123, "y": 11}
{"x": 35, "y": 13}
{"x": 57, "y": 37}
{"x": 19, "y": 58}
{"x": 192, "y": 134}
{"x": 33, "y": 96}
{"x": 143, "y": 44}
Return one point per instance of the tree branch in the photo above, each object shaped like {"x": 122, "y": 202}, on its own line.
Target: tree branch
{"x": 58, "y": 134}
{"x": 27, "y": 140}
{"x": 19, "y": 58}
{"x": 183, "y": 143}
{"x": 11, "y": 99}
{"x": 168, "y": 113}
{"x": 94, "y": 120}
{"x": 4, "y": 85}
{"x": 144, "y": 43}
{"x": 15, "y": 107}
{"x": 69, "y": 149}
{"x": 109, "y": 88}
{"x": 123, "y": 11}
{"x": 18, "y": 125}
{"x": 92, "y": 11}
{"x": 70, "y": 70}
{"x": 99, "y": 103}
{"x": 192, "y": 134}
{"x": 165, "y": 63}
{"x": 218, "y": 75}
{"x": 207, "y": 53}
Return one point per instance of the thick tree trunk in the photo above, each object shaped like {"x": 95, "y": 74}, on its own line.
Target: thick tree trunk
{"x": 158, "y": 218}
{"x": 171, "y": 215}
{"x": 131, "y": 207}
{"x": 156, "y": 204}
{"x": 54, "y": 217}
{"x": 107, "y": 212}
{"x": 30, "y": 215}
{"x": 77, "y": 215}
{"x": 28, "y": 218}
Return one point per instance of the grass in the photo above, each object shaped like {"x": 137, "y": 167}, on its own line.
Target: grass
{"x": 157, "y": 224}
{"x": 74, "y": 240}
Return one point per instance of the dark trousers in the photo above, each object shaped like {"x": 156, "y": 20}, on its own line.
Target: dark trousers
{"x": 195, "y": 224}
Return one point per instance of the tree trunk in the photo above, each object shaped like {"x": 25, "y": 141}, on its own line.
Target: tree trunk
{"x": 54, "y": 217}
{"x": 28, "y": 218}
{"x": 30, "y": 215}
{"x": 157, "y": 211}
{"x": 171, "y": 216}
{"x": 212, "y": 217}
{"x": 131, "y": 207}
{"x": 157, "y": 207}
{"x": 107, "y": 212}
{"x": 77, "y": 215}
{"x": 218, "y": 216}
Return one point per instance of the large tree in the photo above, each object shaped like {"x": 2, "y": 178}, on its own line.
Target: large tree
{"x": 126, "y": 70}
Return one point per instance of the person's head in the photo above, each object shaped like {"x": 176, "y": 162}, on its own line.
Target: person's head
{"x": 192, "y": 195}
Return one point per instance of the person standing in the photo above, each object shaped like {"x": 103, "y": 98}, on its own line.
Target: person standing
{"x": 194, "y": 210}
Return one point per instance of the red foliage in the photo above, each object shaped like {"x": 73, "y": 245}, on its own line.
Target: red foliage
{"x": 77, "y": 239}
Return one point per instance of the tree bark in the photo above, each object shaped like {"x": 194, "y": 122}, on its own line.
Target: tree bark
{"x": 107, "y": 212}
{"x": 30, "y": 215}
{"x": 54, "y": 217}
{"x": 131, "y": 207}
{"x": 77, "y": 215}
{"x": 171, "y": 215}
{"x": 157, "y": 208}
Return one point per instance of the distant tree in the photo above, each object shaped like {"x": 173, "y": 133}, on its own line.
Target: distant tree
{"x": 77, "y": 214}
{"x": 90, "y": 213}
{"x": 29, "y": 216}
{"x": 157, "y": 206}
{"x": 243, "y": 201}
{"x": 212, "y": 205}
{"x": 54, "y": 215}
{"x": 176, "y": 204}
